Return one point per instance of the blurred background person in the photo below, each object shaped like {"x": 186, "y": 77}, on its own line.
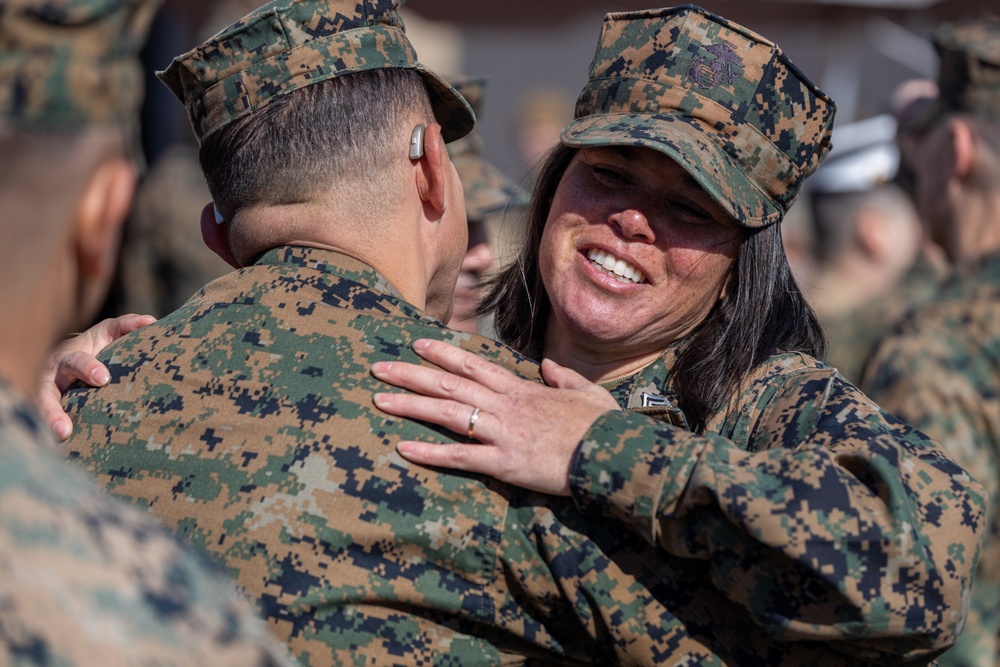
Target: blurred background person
{"x": 939, "y": 368}
{"x": 539, "y": 117}
{"x": 84, "y": 580}
{"x": 910, "y": 104}
{"x": 163, "y": 260}
{"x": 865, "y": 241}
{"x": 493, "y": 205}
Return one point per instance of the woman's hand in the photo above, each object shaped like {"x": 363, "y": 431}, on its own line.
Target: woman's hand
{"x": 528, "y": 431}
{"x": 73, "y": 360}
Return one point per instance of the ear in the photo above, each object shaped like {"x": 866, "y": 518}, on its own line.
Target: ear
{"x": 963, "y": 146}
{"x": 432, "y": 171}
{"x": 100, "y": 213}
{"x": 872, "y": 231}
{"x": 216, "y": 235}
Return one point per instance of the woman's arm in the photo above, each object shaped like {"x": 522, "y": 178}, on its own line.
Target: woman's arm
{"x": 849, "y": 527}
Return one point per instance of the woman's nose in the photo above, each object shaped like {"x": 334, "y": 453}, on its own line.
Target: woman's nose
{"x": 633, "y": 225}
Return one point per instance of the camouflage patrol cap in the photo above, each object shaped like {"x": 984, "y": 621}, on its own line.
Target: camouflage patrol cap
{"x": 722, "y": 101}
{"x": 969, "y": 74}
{"x": 287, "y": 45}
{"x": 69, "y": 63}
{"x": 487, "y": 189}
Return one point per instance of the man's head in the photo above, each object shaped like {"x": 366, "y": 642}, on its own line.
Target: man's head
{"x": 70, "y": 88}
{"x": 863, "y": 226}
{"x": 958, "y": 162}
{"x": 304, "y": 111}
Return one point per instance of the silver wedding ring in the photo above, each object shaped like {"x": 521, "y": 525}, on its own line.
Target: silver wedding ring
{"x": 473, "y": 418}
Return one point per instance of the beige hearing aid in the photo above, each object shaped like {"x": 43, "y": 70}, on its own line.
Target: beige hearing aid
{"x": 417, "y": 142}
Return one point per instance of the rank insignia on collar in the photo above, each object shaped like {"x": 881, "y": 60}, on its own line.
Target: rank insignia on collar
{"x": 654, "y": 401}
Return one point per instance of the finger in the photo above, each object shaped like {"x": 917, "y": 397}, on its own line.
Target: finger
{"x": 453, "y": 415}
{"x": 470, "y": 458}
{"x": 80, "y": 366}
{"x": 47, "y": 399}
{"x": 563, "y": 377}
{"x": 466, "y": 364}
{"x": 430, "y": 381}
{"x": 119, "y": 326}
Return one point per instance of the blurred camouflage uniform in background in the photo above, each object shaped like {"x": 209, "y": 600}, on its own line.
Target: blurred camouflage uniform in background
{"x": 245, "y": 420}
{"x": 84, "y": 579}
{"x": 866, "y": 249}
{"x": 939, "y": 368}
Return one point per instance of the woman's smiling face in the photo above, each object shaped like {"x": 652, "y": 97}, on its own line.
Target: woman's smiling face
{"x": 634, "y": 253}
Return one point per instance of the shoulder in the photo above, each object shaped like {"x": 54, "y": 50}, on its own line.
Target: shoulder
{"x": 89, "y": 581}
{"x": 958, "y": 331}
{"x": 784, "y": 400}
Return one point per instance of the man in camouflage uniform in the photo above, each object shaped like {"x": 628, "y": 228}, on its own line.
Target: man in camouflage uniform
{"x": 245, "y": 418}
{"x": 84, "y": 579}
{"x": 939, "y": 368}
{"x": 866, "y": 244}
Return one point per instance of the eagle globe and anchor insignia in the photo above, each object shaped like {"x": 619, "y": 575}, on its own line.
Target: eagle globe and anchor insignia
{"x": 721, "y": 67}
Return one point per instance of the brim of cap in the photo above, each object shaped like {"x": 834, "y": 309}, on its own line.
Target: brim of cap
{"x": 487, "y": 189}
{"x": 688, "y": 143}
{"x": 451, "y": 110}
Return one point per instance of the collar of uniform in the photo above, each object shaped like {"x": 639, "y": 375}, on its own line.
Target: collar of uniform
{"x": 332, "y": 263}
{"x": 650, "y": 386}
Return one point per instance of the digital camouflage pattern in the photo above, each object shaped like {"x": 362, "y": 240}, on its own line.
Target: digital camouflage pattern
{"x": 969, "y": 71}
{"x": 87, "y": 581}
{"x": 245, "y": 421}
{"x": 487, "y": 190}
{"x": 939, "y": 370}
{"x": 722, "y": 101}
{"x": 287, "y": 45}
{"x": 68, "y": 63}
{"x": 804, "y": 462}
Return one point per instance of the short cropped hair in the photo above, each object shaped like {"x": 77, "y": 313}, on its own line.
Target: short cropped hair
{"x": 339, "y": 130}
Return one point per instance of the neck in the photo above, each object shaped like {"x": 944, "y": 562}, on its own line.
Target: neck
{"x": 978, "y": 227}
{"x": 593, "y": 363}
{"x": 25, "y": 343}
{"x": 385, "y": 240}
{"x": 844, "y": 288}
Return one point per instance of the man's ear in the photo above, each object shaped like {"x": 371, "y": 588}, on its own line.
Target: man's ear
{"x": 99, "y": 215}
{"x": 432, "y": 171}
{"x": 215, "y": 233}
{"x": 963, "y": 146}
{"x": 872, "y": 231}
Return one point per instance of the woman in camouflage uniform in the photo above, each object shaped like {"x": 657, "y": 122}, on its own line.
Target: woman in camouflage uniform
{"x": 654, "y": 275}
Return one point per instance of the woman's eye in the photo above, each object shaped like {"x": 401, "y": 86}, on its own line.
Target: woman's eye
{"x": 608, "y": 176}
{"x": 690, "y": 211}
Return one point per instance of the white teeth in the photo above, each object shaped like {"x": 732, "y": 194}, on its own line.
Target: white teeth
{"x": 615, "y": 267}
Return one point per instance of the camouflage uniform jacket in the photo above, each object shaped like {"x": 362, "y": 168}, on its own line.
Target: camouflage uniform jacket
{"x": 939, "y": 370}
{"x": 85, "y": 580}
{"x": 245, "y": 420}
{"x": 820, "y": 516}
